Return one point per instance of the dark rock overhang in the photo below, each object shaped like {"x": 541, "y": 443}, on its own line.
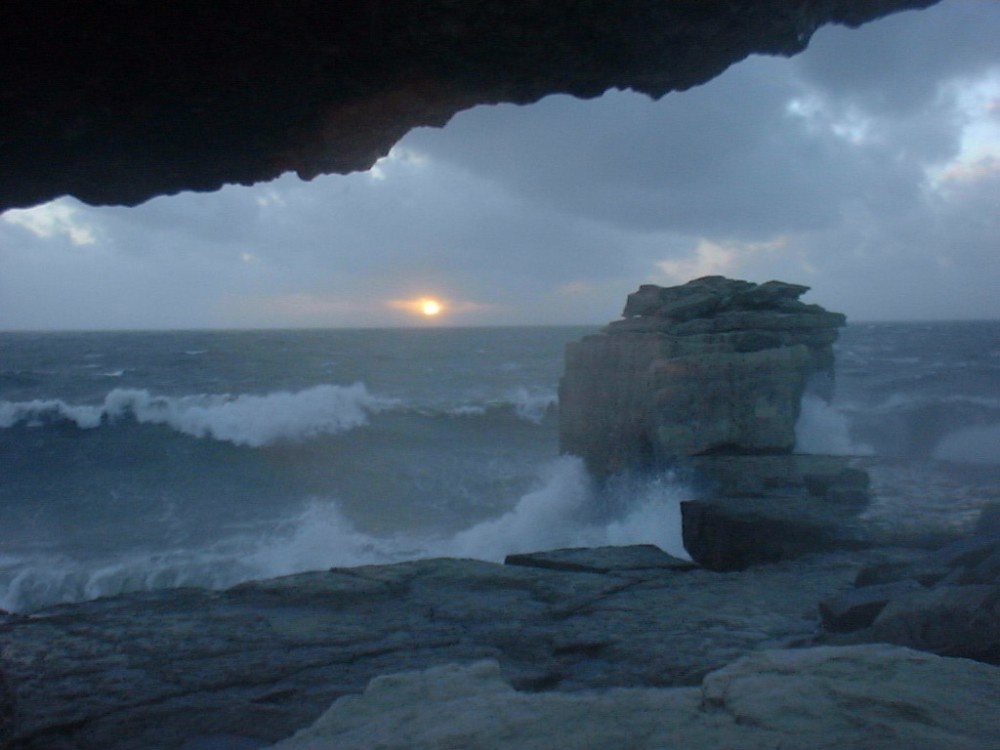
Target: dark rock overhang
{"x": 117, "y": 101}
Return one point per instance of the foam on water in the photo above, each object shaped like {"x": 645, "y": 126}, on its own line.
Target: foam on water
{"x": 559, "y": 512}
{"x": 531, "y": 405}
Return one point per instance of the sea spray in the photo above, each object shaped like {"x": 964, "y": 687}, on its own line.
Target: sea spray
{"x": 564, "y": 509}
{"x": 245, "y": 419}
{"x": 823, "y": 429}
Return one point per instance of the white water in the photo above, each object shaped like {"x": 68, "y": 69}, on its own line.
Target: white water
{"x": 557, "y": 513}
{"x": 242, "y": 420}
{"x": 824, "y": 429}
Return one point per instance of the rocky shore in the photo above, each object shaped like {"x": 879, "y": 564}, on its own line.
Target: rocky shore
{"x": 587, "y": 630}
{"x": 794, "y": 625}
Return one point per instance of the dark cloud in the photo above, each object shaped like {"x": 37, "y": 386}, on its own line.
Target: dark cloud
{"x": 898, "y": 64}
{"x": 825, "y": 168}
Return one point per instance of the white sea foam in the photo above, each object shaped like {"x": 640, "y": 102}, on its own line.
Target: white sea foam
{"x": 557, "y": 513}
{"x": 972, "y": 445}
{"x": 243, "y": 420}
{"x": 824, "y": 429}
{"x": 545, "y": 518}
{"x": 531, "y": 405}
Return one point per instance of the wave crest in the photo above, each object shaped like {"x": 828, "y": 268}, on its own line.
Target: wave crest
{"x": 245, "y": 419}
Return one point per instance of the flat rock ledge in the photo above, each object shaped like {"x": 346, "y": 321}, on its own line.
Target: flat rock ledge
{"x": 872, "y": 697}
{"x": 190, "y": 669}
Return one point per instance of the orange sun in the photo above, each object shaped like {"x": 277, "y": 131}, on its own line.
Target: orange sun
{"x": 430, "y": 307}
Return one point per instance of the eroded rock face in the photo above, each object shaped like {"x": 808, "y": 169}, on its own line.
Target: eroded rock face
{"x": 119, "y": 102}
{"x": 713, "y": 366}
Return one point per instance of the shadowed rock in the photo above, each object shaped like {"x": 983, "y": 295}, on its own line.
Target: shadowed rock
{"x": 116, "y": 102}
{"x": 947, "y": 602}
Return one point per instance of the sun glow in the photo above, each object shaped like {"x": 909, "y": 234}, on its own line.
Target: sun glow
{"x": 423, "y": 307}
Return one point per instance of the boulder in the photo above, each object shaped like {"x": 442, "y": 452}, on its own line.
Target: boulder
{"x": 727, "y": 534}
{"x": 947, "y": 602}
{"x": 714, "y": 366}
{"x": 858, "y": 608}
{"x": 949, "y": 620}
{"x": 875, "y": 697}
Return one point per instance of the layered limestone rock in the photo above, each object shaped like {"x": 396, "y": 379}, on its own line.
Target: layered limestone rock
{"x": 119, "y": 102}
{"x": 715, "y": 366}
{"x": 707, "y": 379}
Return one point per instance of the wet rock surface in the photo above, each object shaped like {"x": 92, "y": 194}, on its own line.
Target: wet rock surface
{"x": 119, "y": 102}
{"x": 249, "y": 666}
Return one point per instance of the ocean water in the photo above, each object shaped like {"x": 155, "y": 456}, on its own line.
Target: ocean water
{"x": 141, "y": 460}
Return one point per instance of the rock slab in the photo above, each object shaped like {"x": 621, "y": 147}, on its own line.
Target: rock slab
{"x": 872, "y": 697}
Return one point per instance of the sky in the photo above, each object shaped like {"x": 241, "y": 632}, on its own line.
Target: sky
{"x": 867, "y": 168}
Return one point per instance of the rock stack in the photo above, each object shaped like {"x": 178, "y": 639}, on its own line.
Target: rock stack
{"x": 716, "y": 366}
{"x": 708, "y": 378}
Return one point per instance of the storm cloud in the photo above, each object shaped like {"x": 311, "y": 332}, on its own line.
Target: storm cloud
{"x": 868, "y": 168}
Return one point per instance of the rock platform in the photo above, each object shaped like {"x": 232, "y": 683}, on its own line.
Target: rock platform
{"x": 191, "y": 669}
{"x": 871, "y": 697}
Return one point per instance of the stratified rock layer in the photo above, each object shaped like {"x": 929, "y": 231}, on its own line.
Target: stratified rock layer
{"x": 713, "y": 366}
{"x": 116, "y": 102}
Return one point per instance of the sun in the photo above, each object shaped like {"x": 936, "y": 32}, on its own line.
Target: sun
{"x": 430, "y": 307}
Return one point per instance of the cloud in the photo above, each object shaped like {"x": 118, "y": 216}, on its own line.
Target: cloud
{"x": 865, "y": 167}
{"x": 60, "y": 218}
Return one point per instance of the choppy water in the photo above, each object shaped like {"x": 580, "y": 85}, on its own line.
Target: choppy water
{"x": 140, "y": 460}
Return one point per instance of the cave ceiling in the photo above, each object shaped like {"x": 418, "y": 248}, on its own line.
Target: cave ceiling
{"x": 117, "y": 101}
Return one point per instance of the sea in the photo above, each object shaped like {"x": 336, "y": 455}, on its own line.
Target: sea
{"x": 146, "y": 460}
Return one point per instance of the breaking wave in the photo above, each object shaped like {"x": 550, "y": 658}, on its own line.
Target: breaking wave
{"x": 242, "y": 420}
{"x": 256, "y": 421}
{"x": 565, "y": 509}
{"x": 824, "y": 429}
{"x": 530, "y": 405}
